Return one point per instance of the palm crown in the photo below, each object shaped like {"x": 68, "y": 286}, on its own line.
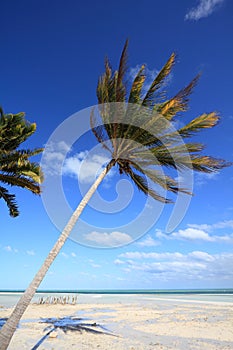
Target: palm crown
{"x": 15, "y": 167}
{"x": 137, "y": 129}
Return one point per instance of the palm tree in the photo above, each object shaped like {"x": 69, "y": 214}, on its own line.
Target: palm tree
{"x": 15, "y": 167}
{"x": 135, "y": 130}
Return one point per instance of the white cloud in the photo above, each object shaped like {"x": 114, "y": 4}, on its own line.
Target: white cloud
{"x": 203, "y": 178}
{"x": 204, "y": 9}
{"x": 118, "y": 262}
{"x": 191, "y": 234}
{"x": 73, "y": 255}
{"x": 196, "y": 265}
{"x": 200, "y": 232}
{"x": 201, "y": 256}
{"x": 212, "y": 227}
{"x": 110, "y": 239}
{"x": 9, "y": 249}
{"x": 95, "y": 265}
{"x": 64, "y": 255}
{"x": 148, "y": 242}
{"x": 30, "y": 252}
{"x": 53, "y": 157}
{"x": 84, "y": 166}
{"x": 157, "y": 256}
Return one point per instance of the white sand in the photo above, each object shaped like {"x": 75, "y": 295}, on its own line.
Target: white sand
{"x": 139, "y": 326}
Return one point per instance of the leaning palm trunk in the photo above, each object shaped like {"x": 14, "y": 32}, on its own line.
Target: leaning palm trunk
{"x": 10, "y": 326}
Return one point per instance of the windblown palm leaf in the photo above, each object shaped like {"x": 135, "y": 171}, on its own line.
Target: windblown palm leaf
{"x": 140, "y": 138}
{"x": 15, "y": 167}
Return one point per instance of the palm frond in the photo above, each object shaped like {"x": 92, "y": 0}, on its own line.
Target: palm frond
{"x": 20, "y": 181}
{"x": 120, "y": 86}
{"x": 208, "y": 164}
{"x": 101, "y": 132}
{"x": 141, "y": 133}
{"x": 158, "y": 81}
{"x": 10, "y": 201}
{"x": 204, "y": 121}
{"x": 136, "y": 89}
{"x": 165, "y": 181}
{"x": 14, "y": 130}
{"x": 142, "y": 185}
{"x": 179, "y": 103}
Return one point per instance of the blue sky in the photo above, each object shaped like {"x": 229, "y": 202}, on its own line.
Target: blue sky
{"x": 52, "y": 54}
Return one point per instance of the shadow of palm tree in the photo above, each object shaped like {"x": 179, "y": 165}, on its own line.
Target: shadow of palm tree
{"x": 73, "y": 324}
{"x": 3, "y": 321}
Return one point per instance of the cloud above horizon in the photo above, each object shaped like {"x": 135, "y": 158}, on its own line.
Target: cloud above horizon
{"x": 204, "y": 9}
{"x": 196, "y": 265}
{"x": 202, "y": 232}
{"x": 108, "y": 239}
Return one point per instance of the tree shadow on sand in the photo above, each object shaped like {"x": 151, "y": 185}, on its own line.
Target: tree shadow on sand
{"x": 73, "y": 324}
{"x": 3, "y": 321}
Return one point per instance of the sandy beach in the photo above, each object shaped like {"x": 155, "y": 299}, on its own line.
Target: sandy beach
{"x": 136, "y": 325}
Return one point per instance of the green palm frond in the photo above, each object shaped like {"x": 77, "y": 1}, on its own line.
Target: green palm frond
{"x": 158, "y": 82}
{"x": 100, "y": 131}
{"x": 10, "y": 202}
{"x": 120, "y": 86}
{"x": 139, "y": 132}
{"x": 16, "y": 169}
{"x": 14, "y": 130}
{"x": 165, "y": 181}
{"x": 158, "y": 178}
{"x": 20, "y": 181}
{"x": 136, "y": 89}
{"x": 179, "y": 103}
{"x": 208, "y": 164}
{"x": 204, "y": 121}
{"x": 142, "y": 184}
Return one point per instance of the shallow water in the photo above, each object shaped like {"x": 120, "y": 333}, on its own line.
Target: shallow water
{"x": 9, "y": 299}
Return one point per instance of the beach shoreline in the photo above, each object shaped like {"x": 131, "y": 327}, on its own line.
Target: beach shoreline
{"x": 139, "y": 323}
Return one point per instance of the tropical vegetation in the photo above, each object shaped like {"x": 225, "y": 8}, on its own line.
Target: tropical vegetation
{"x": 16, "y": 169}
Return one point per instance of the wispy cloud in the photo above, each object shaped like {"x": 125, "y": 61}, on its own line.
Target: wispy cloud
{"x": 196, "y": 265}
{"x": 30, "y": 252}
{"x": 108, "y": 239}
{"x": 53, "y": 157}
{"x": 9, "y": 249}
{"x": 148, "y": 242}
{"x": 203, "y": 178}
{"x": 201, "y": 232}
{"x": 204, "y": 9}
{"x": 96, "y": 266}
{"x": 217, "y": 225}
{"x": 64, "y": 255}
{"x": 118, "y": 262}
{"x": 83, "y": 165}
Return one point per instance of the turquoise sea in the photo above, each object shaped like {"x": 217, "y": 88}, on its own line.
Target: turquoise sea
{"x": 8, "y": 298}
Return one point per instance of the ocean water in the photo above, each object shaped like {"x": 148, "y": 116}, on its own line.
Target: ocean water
{"x": 9, "y": 298}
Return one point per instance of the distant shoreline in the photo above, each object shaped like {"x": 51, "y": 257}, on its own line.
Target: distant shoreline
{"x": 10, "y": 298}
{"x": 129, "y": 291}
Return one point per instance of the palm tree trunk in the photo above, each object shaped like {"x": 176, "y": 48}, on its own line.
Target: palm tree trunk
{"x": 10, "y": 326}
